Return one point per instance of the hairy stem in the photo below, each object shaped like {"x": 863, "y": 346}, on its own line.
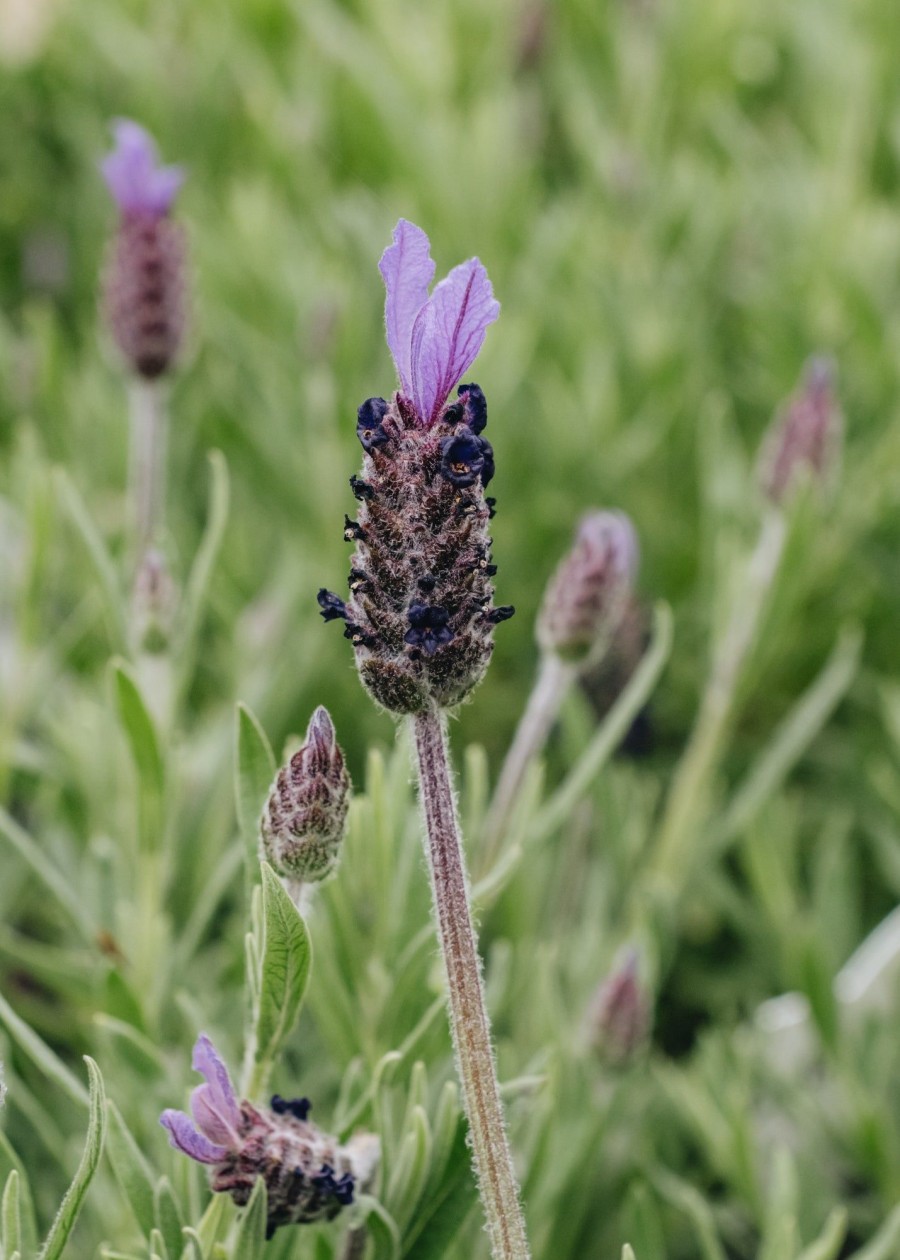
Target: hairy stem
{"x": 468, "y": 1016}
{"x": 553, "y": 681}
{"x": 149, "y": 433}
{"x": 686, "y": 808}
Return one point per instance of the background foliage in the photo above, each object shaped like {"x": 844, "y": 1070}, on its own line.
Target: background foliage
{"x": 677, "y": 203}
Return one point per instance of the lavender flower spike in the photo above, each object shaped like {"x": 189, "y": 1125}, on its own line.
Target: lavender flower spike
{"x": 434, "y": 340}
{"x": 139, "y": 185}
{"x": 309, "y": 1175}
{"x": 213, "y": 1132}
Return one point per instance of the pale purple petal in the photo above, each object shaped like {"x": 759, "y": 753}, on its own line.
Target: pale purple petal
{"x": 407, "y": 269}
{"x": 448, "y": 333}
{"x": 184, "y": 1137}
{"x": 220, "y": 1097}
{"x": 209, "y": 1119}
{"x": 132, "y": 172}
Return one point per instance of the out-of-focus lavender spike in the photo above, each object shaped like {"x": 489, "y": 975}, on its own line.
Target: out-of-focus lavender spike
{"x": 805, "y": 435}
{"x": 144, "y": 280}
{"x": 620, "y": 1016}
{"x": 587, "y": 594}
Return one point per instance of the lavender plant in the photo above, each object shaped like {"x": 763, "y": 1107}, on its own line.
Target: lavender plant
{"x": 421, "y": 617}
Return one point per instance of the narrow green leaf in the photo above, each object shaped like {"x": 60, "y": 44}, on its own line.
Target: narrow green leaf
{"x": 10, "y": 1216}
{"x": 382, "y": 1229}
{"x": 131, "y": 1170}
{"x": 287, "y": 955}
{"x": 433, "y": 1229}
{"x": 48, "y": 873}
{"x": 793, "y": 736}
{"x": 197, "y": 586}
{"x": 410, "y": 1172}
{"x": 104, "y": 569}
{"x": 828, "y": 1245}
{"x": 885, "y": 1244}
{"x": 254, "y": 772}
{"x": 250, "y": 1232}
{"x": 687, "y": 1199}
{"x": 611, "y": 732}
{"x": 167, "y": 1215}
{"x": 628, "y": 1252}
{"x": 27, "y": 1228}
{"x": 41, "y": 1055}
{"x": 71, "y": 1204}
{"x": 140, "y": 732}
{"x": 158, "y": 1248}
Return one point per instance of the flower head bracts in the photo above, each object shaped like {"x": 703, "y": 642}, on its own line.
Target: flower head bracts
{"x": 434, "y": 340}
{"x": 309, "y": 1175}
{"x": 139, "y": 185}
{"x": 805, "y": 436}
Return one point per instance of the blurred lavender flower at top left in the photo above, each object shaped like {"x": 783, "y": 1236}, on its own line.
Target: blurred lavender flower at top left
{"x": 138, "y": 183}
{"x": 144, "y": 280}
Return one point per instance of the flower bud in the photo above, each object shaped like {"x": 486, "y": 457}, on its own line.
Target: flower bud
{"x": 586, "y": 596}
{"x": 603, "y": 681}
{"x": 620, "y": 1013}
{"x": 144, "y": 284}
{"x": 302, "y": 824}
{"x": 805, "y": 434}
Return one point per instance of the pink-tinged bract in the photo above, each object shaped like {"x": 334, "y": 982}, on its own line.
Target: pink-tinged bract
{"x": 434, "y": 340}
{"x": 138, "y": 183}
{"x": 186, "y": 1138}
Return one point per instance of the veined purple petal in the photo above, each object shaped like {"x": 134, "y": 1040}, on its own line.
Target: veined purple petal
{"x": 219, "y": 1097}
{"x": 209, "y": 1119}
{"x": 138, "y": 183}
{"x": 407, "y": 269}
{"x": 184, "y": 1137}
{"x": 448, "y": 333}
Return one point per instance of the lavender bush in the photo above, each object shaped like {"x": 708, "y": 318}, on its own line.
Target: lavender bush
{"x": 671, "y": 979}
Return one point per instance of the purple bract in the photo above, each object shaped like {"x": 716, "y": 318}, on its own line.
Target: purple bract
{"x": 213, "y": 1131}
{"x": 433, "y": 340}
{"x": 138, "y": 183}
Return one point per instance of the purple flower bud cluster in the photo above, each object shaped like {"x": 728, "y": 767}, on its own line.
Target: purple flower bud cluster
{"x": 420, "y": 613}
{"x": 587, "y": 595}
{"x": 805, "y": 436}
{"x": 303, "y": 821}
{"x": 309, "y": 1175}
{"x": 144, "y": 281}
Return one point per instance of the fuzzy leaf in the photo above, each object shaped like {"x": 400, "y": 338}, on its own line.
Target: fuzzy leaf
{"x": 101, "y": 561}
{"x": 10, "y": 1216}
{"x": 254, "y": 772}
{"x": 71, "y": 1204}
{"x": 828, "y": 1245}
{"x": 131, "y": 1170}
{"x": 382, "y": 1229}
{"x": 41, "y": 1055}
{"x": 286, "y": 959}
{"x": 145, "y": 751}
{"x": 167, "y": 1215}
{"x": 197, "y": 586}
{"x": 250, "y": 1233}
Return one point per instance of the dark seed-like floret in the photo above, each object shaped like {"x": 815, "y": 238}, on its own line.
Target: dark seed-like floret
{"x": 332, "y": 606}
{"x": 462, "y": 458}
{"x": 428, "y": 628}
{"x": 475, "y": 405}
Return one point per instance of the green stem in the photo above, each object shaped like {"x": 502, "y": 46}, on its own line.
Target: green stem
{"x": 468, "y": 1016}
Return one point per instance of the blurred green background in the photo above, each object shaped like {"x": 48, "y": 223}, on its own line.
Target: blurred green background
{"x": 677, "y": 203}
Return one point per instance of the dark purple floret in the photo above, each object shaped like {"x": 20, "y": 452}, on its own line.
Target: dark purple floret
{"x": 503, "y": 613}
{"x": 462, "y": 458}
{"x": 299, "y": 1108}
{"x": 487, "y": 454}
{"x": 428, "y": 627}
{"x": 474, "y": 405}
{"x": 332, "y": 606}
{"x": 361, "y": 489}
{"x": 491, "y": 507}
{"x": 352, "y": 529}
{"x": 368, "y": 424}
